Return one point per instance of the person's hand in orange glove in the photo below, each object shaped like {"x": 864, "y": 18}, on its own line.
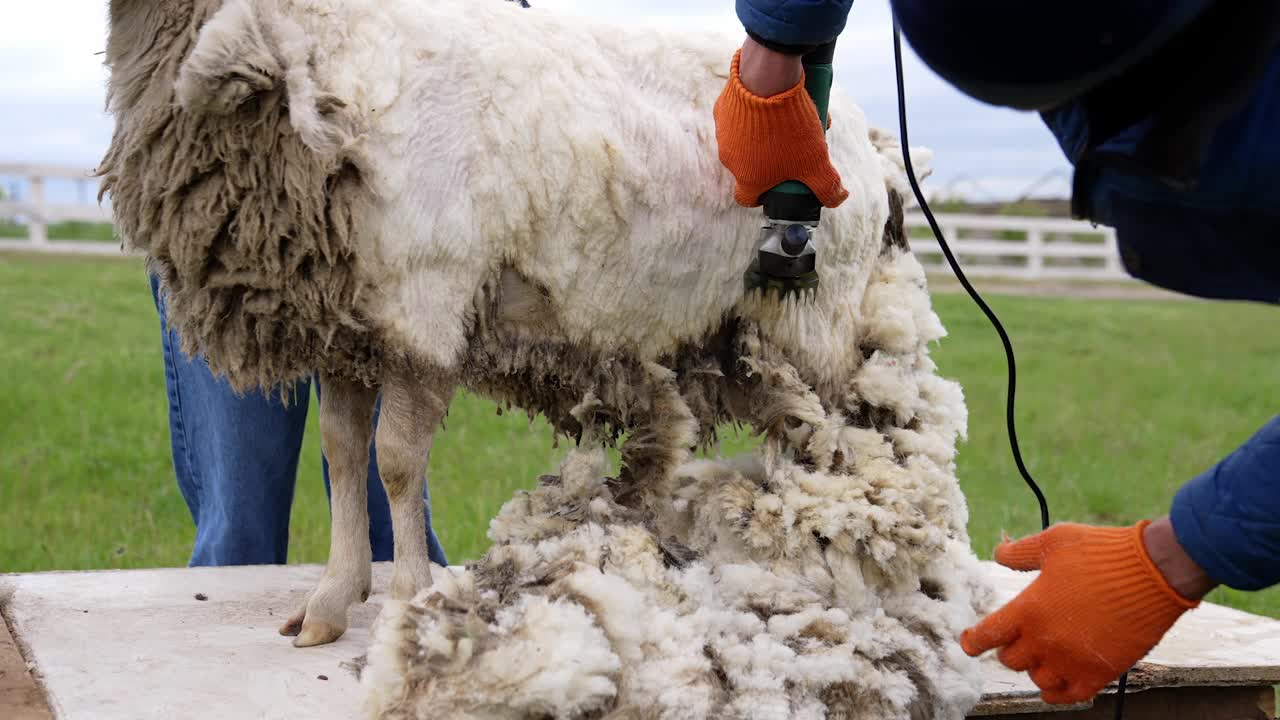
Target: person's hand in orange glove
{"x": 769, "y": 131}
{"x": 1104, "y": 598}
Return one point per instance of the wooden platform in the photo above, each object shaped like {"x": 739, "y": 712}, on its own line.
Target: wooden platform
{"x": 1215, "y": 664}
{"x": 143, "y": 644}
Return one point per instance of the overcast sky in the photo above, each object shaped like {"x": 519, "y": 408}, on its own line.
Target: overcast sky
{"x": 51, "y": 91}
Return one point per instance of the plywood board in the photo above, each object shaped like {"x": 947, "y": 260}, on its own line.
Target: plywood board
{"x": 139, "y": 644}
{"x": 130, "y": 645}
{"x": 1211, "y": 646}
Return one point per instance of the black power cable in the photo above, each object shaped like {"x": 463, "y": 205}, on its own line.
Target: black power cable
{"x": 955, "y": 267}
{"x": 986, "y": 309}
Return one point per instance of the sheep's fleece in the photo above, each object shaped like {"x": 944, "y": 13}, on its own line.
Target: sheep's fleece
{"x": 825, "y": 577}
{"x": 532, "y": 204}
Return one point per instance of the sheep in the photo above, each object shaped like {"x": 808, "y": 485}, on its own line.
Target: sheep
{"x": 408, "y": 197}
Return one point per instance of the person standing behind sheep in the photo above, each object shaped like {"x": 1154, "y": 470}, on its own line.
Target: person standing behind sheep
{"x": 236, "y": 462}
{"x": 1167, "y": 109}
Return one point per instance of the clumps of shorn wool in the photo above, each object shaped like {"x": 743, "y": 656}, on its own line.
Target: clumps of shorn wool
{"x": 825, "y": 576}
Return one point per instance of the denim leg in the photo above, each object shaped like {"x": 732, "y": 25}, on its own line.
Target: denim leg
{"x": 236, "y": 458}
{"x": 380, "y": 531}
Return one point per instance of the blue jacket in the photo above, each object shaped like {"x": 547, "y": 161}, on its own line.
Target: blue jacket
{"x": 1217, "y": 237}
{"x": 797, "y": 23}
{"x": 1228, "y": 519}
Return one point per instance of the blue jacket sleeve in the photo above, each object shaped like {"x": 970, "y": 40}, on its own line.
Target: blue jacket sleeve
{"x": 794, "y": 22}
{"x": 1228, "y": 519}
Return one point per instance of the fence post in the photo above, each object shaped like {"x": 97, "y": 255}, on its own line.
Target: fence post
{"x": 952, "y": 234}
{"x": 36, "y": 221}
{"x": 1113, "y": 258}
{"x": 1035, "y": 253}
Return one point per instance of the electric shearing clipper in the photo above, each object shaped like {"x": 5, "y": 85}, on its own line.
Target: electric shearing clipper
{"x": 786, "y": 261}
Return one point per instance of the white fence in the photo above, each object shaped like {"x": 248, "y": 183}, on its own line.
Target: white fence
{"x": 1022, "y": 248}
{"x": 30, "y": 209}
{"x": 986, "y": 245}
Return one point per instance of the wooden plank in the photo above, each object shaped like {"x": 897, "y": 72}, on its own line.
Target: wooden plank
{"x": 1211, "y": 646}
{"x": 1085, "y": 273}
{"x": 1195, "y": 703}
{"x": 1008, "y": 222}
{"x": 987, "y": 247}
{"x": 974, "y": 270}
{"x": 56, "y": 212}
{"x": 64, "y": 247}
{"x": 21, "y": 697}
{"x": 140, "y": 644}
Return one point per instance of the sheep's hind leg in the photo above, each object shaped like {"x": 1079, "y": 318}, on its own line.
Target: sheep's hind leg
{"x": 346, "y": 429}
{"x": 412, "y": 408}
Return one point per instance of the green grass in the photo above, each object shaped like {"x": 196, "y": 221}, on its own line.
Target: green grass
{"x": 1119, "y": 403}
{"x": 70, "y": 230}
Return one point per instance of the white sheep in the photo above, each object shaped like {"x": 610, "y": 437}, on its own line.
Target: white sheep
{"x": 409, "y": 195}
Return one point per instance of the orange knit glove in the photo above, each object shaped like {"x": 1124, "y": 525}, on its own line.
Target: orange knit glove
{"x": 1098, "y": 607}
{"x": 767, "y": 141}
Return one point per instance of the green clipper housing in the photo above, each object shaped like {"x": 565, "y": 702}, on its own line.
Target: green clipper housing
{"x": 786, "y": 261}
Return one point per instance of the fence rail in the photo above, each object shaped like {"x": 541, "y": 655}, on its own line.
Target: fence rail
{"x": 31, "y": 210}
{"x": 988, "y": 246}
{"x": 1021, "y": 248}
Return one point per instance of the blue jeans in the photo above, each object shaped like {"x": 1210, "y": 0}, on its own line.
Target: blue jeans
{"x": 236, "y": 459}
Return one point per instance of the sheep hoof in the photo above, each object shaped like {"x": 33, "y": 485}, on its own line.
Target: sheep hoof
{"x": 317, "y": 634}
{"x": 318, "y": 622}
{"x": 292, "y": 626}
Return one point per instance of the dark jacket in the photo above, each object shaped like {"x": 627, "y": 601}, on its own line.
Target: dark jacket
{"x": 794, "y": 25}
{"x": 1179, "y": 152}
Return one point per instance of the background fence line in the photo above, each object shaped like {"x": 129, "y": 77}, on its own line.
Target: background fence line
{"x": 993, "y": 246}
{"x": 27, "y": 208}
{"x": 1022, "y": 248}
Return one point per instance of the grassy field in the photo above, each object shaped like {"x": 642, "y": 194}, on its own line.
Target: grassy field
{"x": 1120, "y": 402}
{"x": 69, "y": 230}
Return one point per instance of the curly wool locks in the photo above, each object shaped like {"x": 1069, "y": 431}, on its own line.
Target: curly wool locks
{"x": 823, "y": 578}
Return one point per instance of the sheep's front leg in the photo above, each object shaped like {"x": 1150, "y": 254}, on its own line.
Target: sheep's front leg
{"x": 346, "y": 429}
{"x": 412, "y": 408}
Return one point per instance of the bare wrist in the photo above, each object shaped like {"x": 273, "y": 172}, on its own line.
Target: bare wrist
{"x": 767, "y": 72}
{"x": 1179, "y": 570}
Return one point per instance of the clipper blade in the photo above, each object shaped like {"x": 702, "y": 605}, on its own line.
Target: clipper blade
{"x": 785, "y": 268}
{"x": 801, "y": 289}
